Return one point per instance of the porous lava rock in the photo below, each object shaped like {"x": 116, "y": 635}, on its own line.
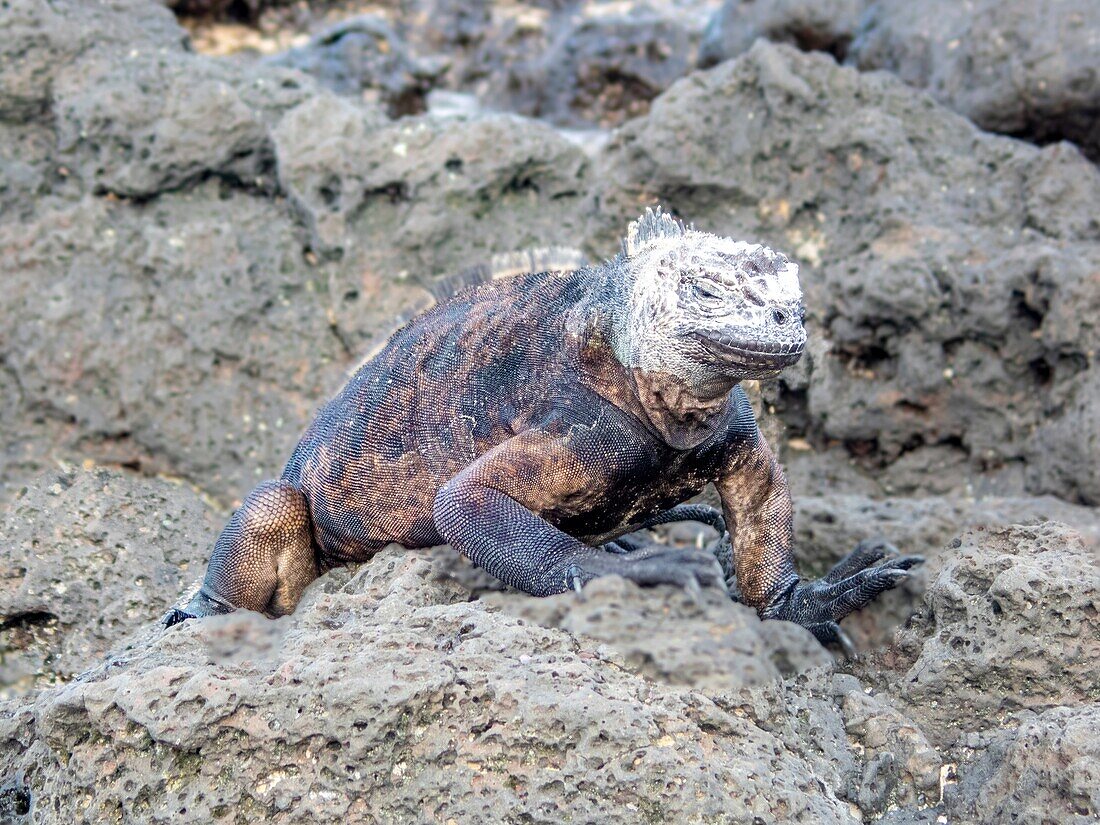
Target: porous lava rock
{"x": 948, "y": 286}
{"x": 88, "y": 557}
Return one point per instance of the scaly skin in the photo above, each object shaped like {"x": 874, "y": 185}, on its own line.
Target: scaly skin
{"x": 530, "y": 421}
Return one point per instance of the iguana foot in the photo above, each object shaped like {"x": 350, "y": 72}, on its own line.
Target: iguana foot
{"x": 622, "y": 545}
{"x": 702, "y": 513}
{"x": 856, "y": 580}
{"x": 651, "y": 565}
{"x": 174, "y": 617}
{"x": 200, "y": 605}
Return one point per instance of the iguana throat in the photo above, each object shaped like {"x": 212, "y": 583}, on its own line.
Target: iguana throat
{"x": 684, "y": 419}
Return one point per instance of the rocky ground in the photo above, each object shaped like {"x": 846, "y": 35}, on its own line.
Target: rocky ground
{"x": 203, "y": 228}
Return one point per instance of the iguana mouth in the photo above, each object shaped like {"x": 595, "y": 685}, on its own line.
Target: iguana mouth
{"x": 755, "y": 354}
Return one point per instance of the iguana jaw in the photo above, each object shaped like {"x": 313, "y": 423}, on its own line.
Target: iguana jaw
{"x": 749, "y": 358}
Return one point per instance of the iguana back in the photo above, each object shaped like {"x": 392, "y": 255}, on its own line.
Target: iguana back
{"x": 464, "y": 376}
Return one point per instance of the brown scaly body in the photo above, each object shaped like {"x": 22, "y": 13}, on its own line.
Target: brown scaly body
{"x": 528, "y": 420}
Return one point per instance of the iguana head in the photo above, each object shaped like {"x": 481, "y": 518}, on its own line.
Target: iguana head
{"x": 706, "y": 309}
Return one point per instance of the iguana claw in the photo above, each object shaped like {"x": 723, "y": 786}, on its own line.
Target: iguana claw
{"x": 174, "y": 617}
{"x": 650, "y": 565}
{"x": 854, "y": 582}
{"x": 201, "y": 604}
{"x": 832, "y": 633}
{"x": 574, "y": 577}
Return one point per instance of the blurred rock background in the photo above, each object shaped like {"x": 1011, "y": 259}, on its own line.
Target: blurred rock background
{"x": 205, "y": 220}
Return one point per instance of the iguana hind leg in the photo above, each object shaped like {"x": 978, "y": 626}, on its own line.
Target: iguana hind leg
{"x": 263, "y": 559}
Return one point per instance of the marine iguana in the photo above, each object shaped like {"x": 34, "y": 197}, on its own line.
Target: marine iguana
{"x": 530, "y": 421}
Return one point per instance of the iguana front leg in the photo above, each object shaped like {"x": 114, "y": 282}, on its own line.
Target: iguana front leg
{"x": 491, "y": 513}
{"x": 758, "y": 510}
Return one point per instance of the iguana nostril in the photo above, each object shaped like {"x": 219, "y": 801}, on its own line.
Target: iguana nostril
{"x": 779, "y": 316}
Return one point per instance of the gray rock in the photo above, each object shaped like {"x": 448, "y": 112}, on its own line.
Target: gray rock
{"x": 945, "y": 284}
{"x": 1023, "y": 68}
{"x": 828, "y": 527}
{"x": 39, "y": 39}
{"x": 87, "y": 558}
{"x": 599, "y": 70}
{"x": 811, "y": 25}
{"x": 456, "y": 27}
{"x": 174, "y": 344}
{"x": 15, "y": 803}
{"x": 718, "y": 645}
{"x": 391, "y": 696}
{"x": 1065, "y": 445}
{"x": 136, "y": 124}
{"x": 27, "y": 171}
{"x": 901, "y": 768}
{"x": 855, "y": 740}
{"x": 364, "y": 57}
{"x": 1010, "y": 622}
{"x": 1047, "y": 770}
{"x": 325, "y": 179}
{"x": 442, "y": 697}
{"x": 426, "y": 195}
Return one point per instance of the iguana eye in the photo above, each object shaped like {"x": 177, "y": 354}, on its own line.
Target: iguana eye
{"x": 700, "y": 291}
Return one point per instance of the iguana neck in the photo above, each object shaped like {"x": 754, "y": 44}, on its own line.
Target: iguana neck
{"x": 681, "y": 416}
{"x": 683, "y": 419}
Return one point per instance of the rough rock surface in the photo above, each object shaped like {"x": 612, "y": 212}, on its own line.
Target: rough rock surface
{"x": 388, "y": 694}
{"x": 1020, "y": 67}
{"x": 829, "y": 526}
{"x": 399, "y": 609}
{"x": 947, "y": 284}
{"x": 811, "y": 25}
{"x": 600, "y": 70}
{"x": 1047, "y": 770}
{"x": 86, "y": 558}
{"x": 391, "y": 693}
{"x": 1012, "y": 621}
{"x": 364, "y": 57}
{"x": 422, "y": 196}
{"x": 40, "y": 39}
{"x": 718, "y": 644}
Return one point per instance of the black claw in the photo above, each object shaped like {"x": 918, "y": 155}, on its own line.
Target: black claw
{"x": 622, "y": 545}
{"x": 651, "y": 565}
{"x": 846, "y": 643}
{"x": 573, "y": 575}
{"x": 865, "y": 573}
{"x": 865, "y": 554}
{"x": 174, "y": 616}
{"x": 830, "y": 633}
{"x": 907, "y": 562}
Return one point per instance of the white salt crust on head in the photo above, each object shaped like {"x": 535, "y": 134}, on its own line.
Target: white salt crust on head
{"x": 681, "y": 280}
